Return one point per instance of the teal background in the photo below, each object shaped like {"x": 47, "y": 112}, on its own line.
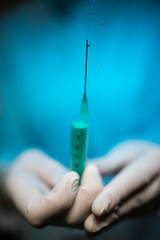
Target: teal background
{"x": 42, "y": 54}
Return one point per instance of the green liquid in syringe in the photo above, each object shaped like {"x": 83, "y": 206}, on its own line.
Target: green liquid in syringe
{"x": 79, "y": 146}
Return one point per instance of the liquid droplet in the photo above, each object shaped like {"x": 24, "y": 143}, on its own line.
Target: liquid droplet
{"x": 90, "y": 14}
{"x": 102, "y": 24}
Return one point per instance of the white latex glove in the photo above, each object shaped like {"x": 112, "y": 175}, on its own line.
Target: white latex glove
{"x": 45, "y": 193}
{"x": 136, "y": 184}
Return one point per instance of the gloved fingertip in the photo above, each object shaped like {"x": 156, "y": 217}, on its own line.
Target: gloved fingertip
{"x": 75, "y": 185}
{"x": 74, "y": 181}
{"x": 101, "y": 205}
{"x": 91, "y": 176}
{"x": 94, "y": 224}
{"x": 98, "y": 208}
{"x": 92, "y": 169}
{"x": 90, "y": 225}
{"x": 68, "y": 185}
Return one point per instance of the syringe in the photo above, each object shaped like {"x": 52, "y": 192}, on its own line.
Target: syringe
{"x": 79, "y": 137}
{"x": 79, "y": 132}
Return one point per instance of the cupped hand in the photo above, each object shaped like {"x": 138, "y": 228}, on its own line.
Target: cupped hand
{"x": 136, "y": 184}
{"x": 47, "y": 194}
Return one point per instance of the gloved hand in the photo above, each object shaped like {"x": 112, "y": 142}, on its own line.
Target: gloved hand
{"x": 46, "y": 194}
{"x": 136, "y": 184}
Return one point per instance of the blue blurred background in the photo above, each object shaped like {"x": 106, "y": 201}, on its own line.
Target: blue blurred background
{"x": 42, "y": 54}
{"x": 42, "y": 60}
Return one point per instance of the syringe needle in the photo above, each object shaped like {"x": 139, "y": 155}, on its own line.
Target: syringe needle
{"x": 86, "y": 63}
{"x": 87, "y": 46}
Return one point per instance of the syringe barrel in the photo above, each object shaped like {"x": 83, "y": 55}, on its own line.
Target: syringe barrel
{"x": 79, "y": 146}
